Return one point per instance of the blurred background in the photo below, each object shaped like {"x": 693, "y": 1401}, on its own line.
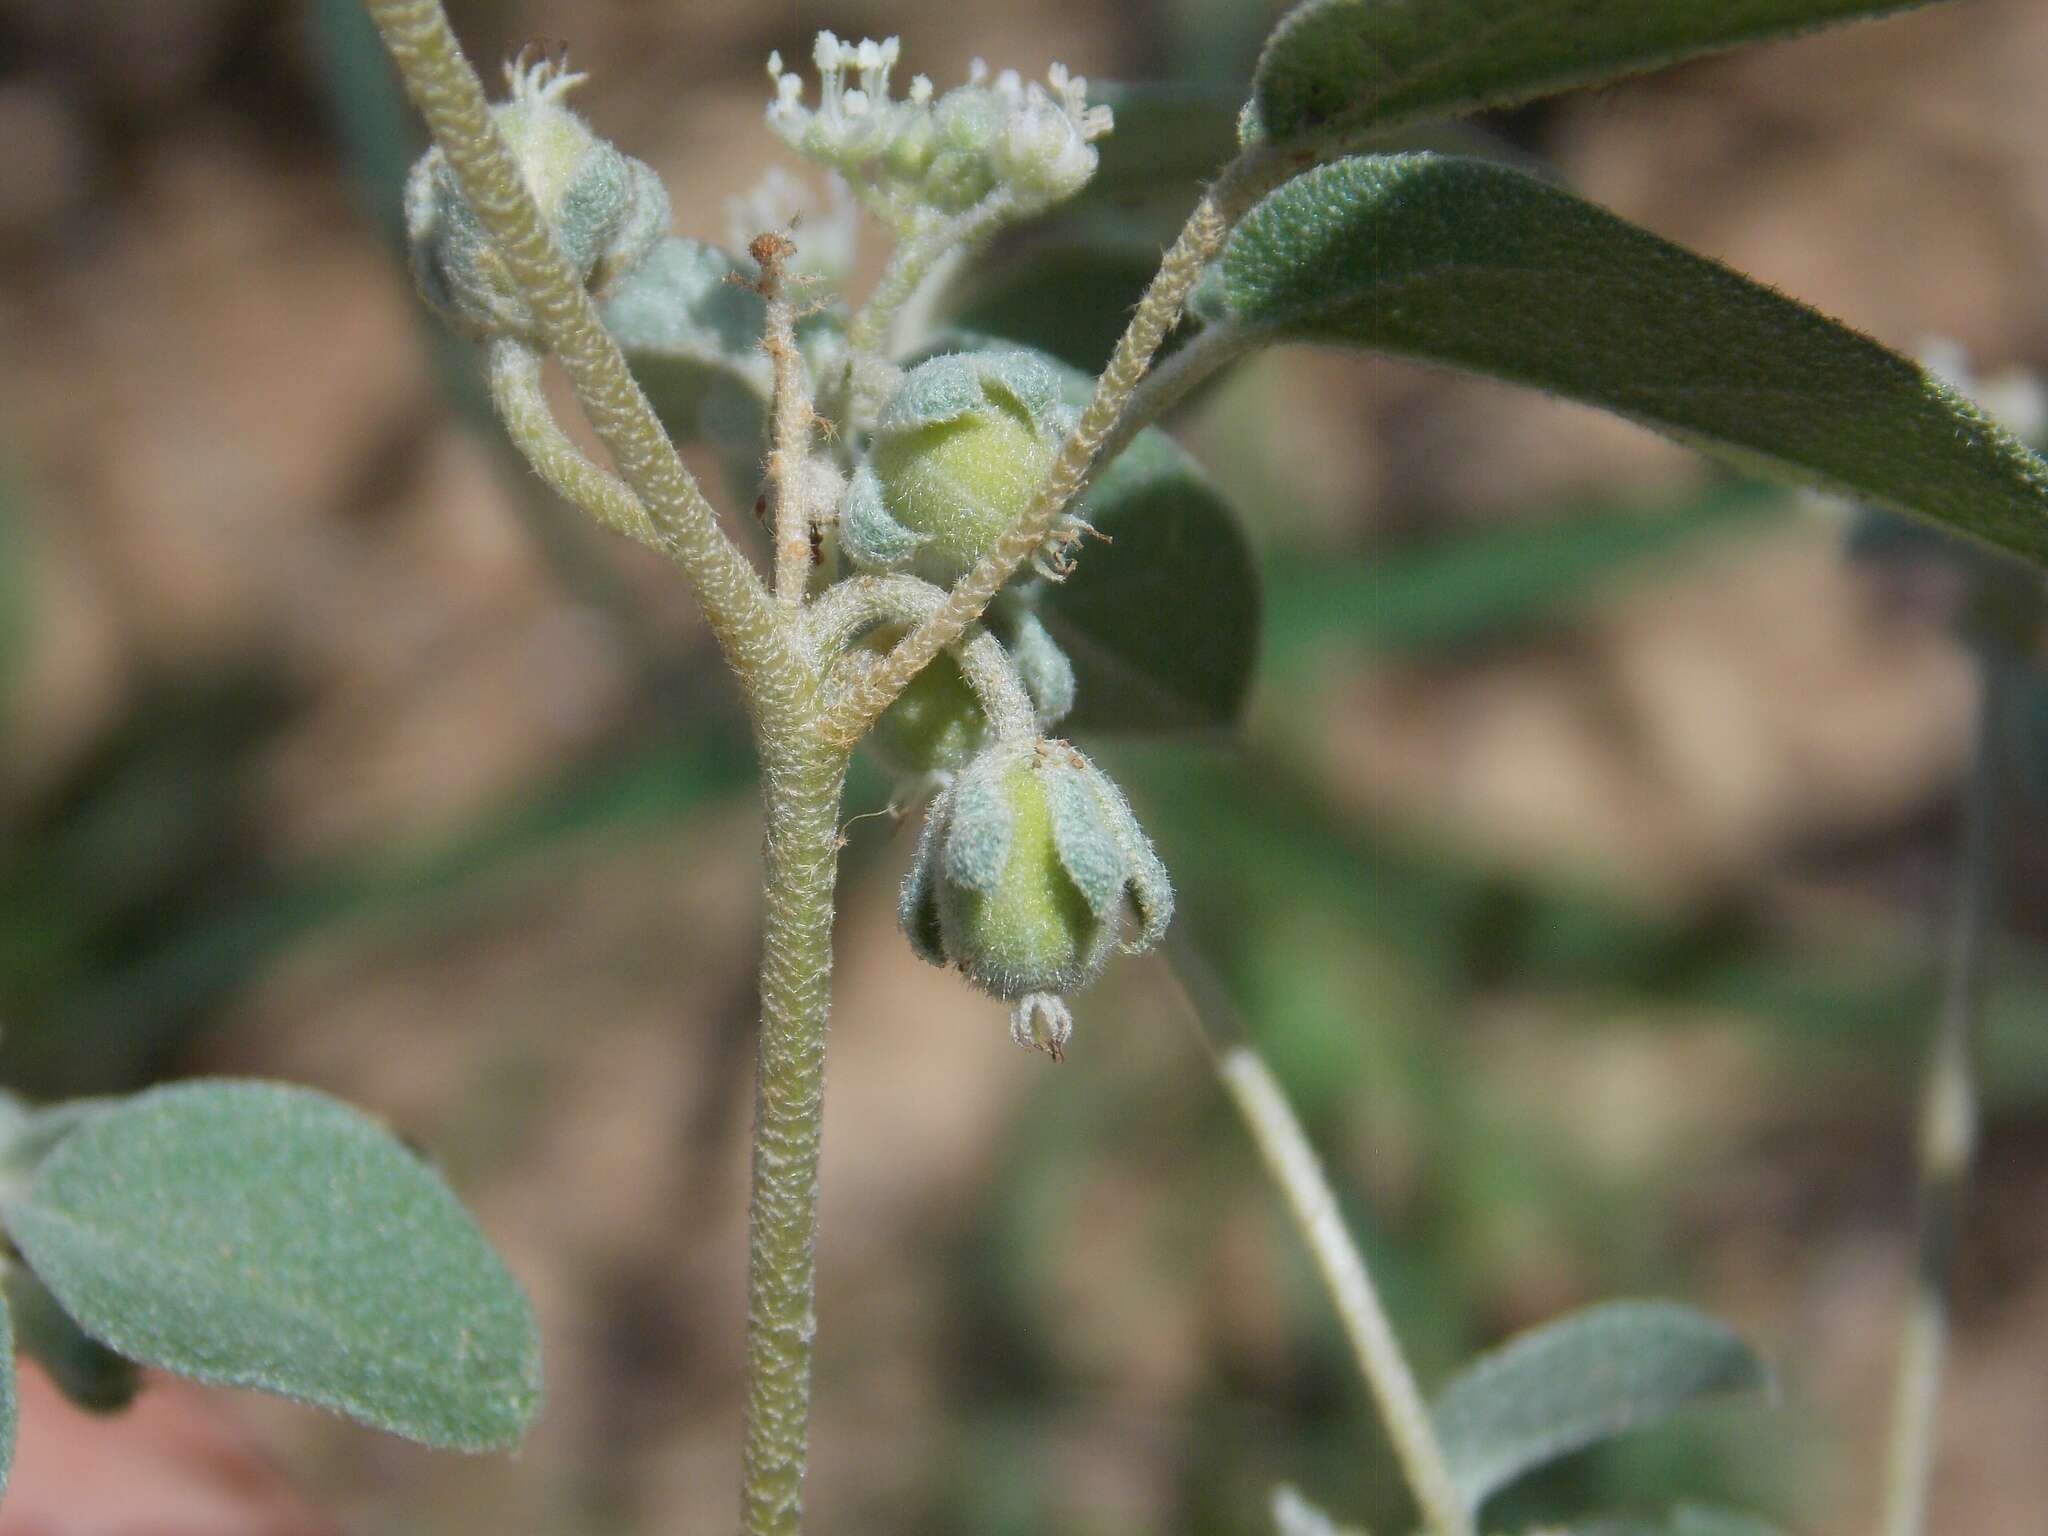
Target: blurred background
{"x": 1580, "y": 866}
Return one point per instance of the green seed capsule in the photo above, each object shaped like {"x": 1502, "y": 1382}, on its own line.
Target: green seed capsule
{"x": 958, "y": 454}
{"x": 1021, "y": 878}
{"x": 607, "y": 210}
{"x": 936, "y": 724}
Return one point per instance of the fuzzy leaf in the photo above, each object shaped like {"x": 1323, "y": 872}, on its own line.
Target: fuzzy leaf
{"x": 1586, "y": 1378}
{"x": 1161, "y": 622}
{"x": 1470, "y": 264}
{"x": 1335, "y": 69}
{"x": 253, "y": 1234}
{"x": 87, "y": 1372}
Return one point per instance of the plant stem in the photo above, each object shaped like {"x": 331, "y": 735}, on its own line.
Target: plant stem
{"x": 449, "y": 96}
{"x": 1284, "y": 1147}
{"x": 801, "y": 783}
{"x": 1948, "y": 1128}
{"x": 791, "y": 416}
{"x": 530, "y": 423}
{"x": 1213, "y": 348}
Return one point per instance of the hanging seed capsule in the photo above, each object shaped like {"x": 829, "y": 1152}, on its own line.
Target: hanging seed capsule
{"x": 607, "y": 210}
{"x": 1021, "y": 878}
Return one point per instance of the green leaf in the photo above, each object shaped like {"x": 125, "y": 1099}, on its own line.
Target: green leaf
{"x": 1161, "y": 622}
{"x": 1586, "y": 1378}
{"x": 84, "y": 1370}
{"x": 1483, "y": 268}
{"x": 1334, "y": 69}
{"x": 692, "y": 335}
{"x": 254, "y": 1234}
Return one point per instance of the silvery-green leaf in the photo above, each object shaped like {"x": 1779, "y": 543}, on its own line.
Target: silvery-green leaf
{"x": 254, "y": 1234}
{"x": 1586, "y": 1378}
{"x": 83, "y": 1369}
{"x": 1480, "y": 267}
{"x": 1335, "y": 69}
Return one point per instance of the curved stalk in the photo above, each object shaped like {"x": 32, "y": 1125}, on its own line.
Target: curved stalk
{"x": 450, "y": 97}
{"x": 530, "y": 423}
{"x": 1948, "y": 1130}
{"x": 1291, "y": 1161}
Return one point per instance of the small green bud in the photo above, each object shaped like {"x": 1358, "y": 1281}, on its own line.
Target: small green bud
{"x": 606, "y": 210}
{"x": 958, "y": 453}
{"x": 936, "y": 724}
{"x": 1021, "y": 878}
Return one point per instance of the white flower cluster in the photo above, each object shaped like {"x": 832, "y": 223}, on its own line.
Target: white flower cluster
{"x": 1033, "y": 144}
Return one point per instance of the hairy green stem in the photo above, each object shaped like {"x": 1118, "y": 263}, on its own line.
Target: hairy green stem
{"x": 1947, "y": 1130}
{"x": 1210, "y": 350}
{"x": 801, "y": 787}
{"x": 530, "y": 423}
{"x": 801, "y": 777}
{"x": 450, "y": 97}
{"x": 1291, "y": 1161}
{"x": 791, "y": 417}
{"x": 1157, "y": 312}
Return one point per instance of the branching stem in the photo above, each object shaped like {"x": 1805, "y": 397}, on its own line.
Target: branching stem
{"x": 450, "y": 97}
{"x": 801, "y": 783}
{"x": 1157, "y": 312}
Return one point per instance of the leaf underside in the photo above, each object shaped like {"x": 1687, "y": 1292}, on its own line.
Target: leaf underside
{"x": 1581, "y": 1380}
{"x": 1336, "y": 69}
{"x": 253, "y": 1234}
{"x": 1483, "y": 268}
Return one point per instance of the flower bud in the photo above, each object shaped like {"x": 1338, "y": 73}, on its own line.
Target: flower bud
{"x": 1021, "y": 877}
{"x": 606, "y": 210}
{"x": 958, "y": 453}
{"x": 937, "y": 724}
